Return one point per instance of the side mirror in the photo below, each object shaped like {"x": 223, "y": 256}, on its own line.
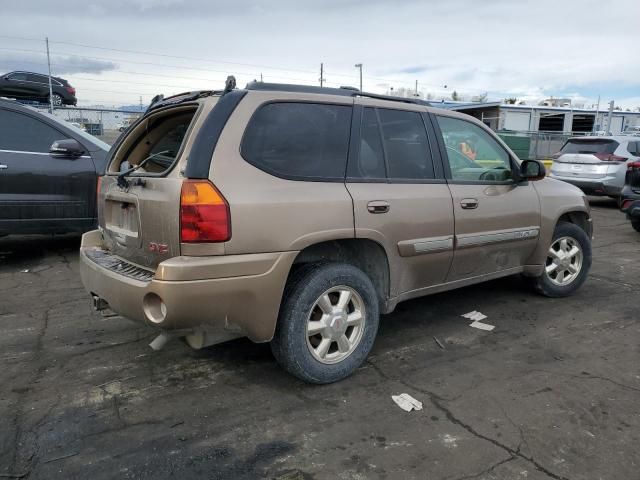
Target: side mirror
{"x": 68, "y": 148}
{"x": 532, "y": 170}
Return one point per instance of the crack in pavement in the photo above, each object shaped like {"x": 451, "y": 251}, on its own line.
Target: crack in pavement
{"x": 437, "y": 402}
{"x": 18, "y": 421}
{"x": 489, "y": 469}
{"x": 587, "y": 376}
{"x": 614, "y": 281}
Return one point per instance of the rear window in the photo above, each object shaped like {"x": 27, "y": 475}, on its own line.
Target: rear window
{"x": 157, "y": 142}
{"x": 299, "y": 141}
{"x": 589, "y": 146}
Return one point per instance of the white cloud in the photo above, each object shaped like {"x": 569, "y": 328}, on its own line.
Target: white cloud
{"x": 523, "y": 49}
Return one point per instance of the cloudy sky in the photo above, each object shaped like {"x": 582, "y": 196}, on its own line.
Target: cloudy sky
{"x": 116, "y": 51}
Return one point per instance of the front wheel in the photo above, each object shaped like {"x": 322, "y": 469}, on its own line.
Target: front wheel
{"x": 636, "y": 225}
{"x": 568, "y": 262}
{"x": 327, "y": 324}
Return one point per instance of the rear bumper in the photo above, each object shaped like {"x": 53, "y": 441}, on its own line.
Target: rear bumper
{"x": 609, "y": 185}
{"x": 216, "y": 297}
{"x": 630, "y": 204}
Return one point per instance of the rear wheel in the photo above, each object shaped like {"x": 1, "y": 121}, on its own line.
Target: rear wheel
{"x": 56, "y": 100}
{"x": 328, "y": 322}
{"x": 636, "y": 225}
{"x": 568, "y": 262}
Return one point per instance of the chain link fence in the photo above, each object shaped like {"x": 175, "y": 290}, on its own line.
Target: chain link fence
{"x": 104, "y": 123}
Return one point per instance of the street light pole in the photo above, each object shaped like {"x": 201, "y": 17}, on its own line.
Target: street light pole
{"x": 359, "y": 66}
{"x": 50, "y": 87}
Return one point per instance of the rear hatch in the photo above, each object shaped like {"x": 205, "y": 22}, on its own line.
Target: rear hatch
{"x": 139, "y": 213}
{"x": 587, "y": 158}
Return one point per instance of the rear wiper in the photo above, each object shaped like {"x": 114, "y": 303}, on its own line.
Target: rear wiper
{"x": 122, "y": 181}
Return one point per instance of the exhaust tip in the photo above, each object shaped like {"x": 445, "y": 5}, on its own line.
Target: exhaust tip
{"x": 154, "y": 308}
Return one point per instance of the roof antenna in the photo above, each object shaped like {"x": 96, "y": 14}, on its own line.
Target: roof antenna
{"x": 229, "y": 85}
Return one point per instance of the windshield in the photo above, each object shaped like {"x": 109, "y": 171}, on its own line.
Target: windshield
{"x": 589, "y": 146}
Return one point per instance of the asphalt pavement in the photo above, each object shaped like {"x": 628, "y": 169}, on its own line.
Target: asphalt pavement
{"x": 552, "y": 392}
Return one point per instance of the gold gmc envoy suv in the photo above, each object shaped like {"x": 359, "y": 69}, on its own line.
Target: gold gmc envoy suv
{"x": 296, "y": 215}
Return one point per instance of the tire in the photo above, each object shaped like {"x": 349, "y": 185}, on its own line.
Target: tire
{"x": 57, "y": 100}
{"x": 636, "y": 225}
{"x": 570, "y": 271}
{"x": 295, "y": 347}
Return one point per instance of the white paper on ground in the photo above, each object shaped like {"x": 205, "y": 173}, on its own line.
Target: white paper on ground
{"x": 482, "y": 326}
{"x": 475, "y": 316}
{"x": 407, "y": 402}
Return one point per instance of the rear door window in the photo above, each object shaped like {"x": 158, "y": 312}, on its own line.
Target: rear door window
{"x": 600, "y": 145}
{"x": 406, "y": 147}
{"x": 393, "y": 146}
{"x": 23, "y": 133}
{"x": 299, "y": 141}
{"x": 32, "y": 77}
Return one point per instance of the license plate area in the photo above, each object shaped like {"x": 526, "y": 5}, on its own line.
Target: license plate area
{"x": 122, "y": 220}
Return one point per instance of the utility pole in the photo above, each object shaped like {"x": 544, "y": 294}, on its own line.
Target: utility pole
{"x": 140, "y": 102}
{"x": 359, "y": 66}
{"x": 608, "y": 129}
{"x": 50, "y": 87}
{"x": 261, "y": 77}
{"x": 595, "y": 120}
{"x": 321, "y": 74}
{"x": 416, "y": 94}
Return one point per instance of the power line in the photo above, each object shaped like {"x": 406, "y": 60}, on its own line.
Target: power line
{"x": 139, "y": 52}
{"x": 406, "y": 83}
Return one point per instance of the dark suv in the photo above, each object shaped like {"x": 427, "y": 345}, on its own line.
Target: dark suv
{"x": 48, "y": 172}
{"x": 34, "y": 86}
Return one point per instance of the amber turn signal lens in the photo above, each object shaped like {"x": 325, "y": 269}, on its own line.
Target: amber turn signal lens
{"x": 204, "y": 213}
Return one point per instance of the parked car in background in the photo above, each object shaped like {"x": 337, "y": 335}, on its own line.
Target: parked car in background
{"x": 79, "y": 125}
{"x": 295, "y": 215}
{"x": 596, "y": 165}
{"x": 35, "y": 86}
{"x": 630, "y": 198}
{"x": 48, "y": 172}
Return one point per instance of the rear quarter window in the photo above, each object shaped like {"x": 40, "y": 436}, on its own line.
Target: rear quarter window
{"x": 299, "y": 141}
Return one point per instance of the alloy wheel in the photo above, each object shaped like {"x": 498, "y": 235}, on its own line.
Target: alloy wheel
{"x": 335, "y": 324}
{"x": 564, "y": 261}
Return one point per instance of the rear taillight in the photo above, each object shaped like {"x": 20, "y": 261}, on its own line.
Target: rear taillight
{"x": 610, "y": 157}
{"x": 625, "y": 204}
{"x": 204, "y": 213}
{"x": 70, "y": 89}
{"x": 633, "y": 165}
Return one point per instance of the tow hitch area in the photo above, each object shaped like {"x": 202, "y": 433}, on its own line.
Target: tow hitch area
{"x": 99, "y": 304}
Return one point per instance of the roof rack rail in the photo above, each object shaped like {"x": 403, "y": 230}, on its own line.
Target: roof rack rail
{"x": 343, "y": 91}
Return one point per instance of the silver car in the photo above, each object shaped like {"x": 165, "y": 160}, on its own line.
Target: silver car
{"x": 596, "y": 165}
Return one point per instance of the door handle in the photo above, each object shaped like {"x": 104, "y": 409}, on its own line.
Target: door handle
{"x": 469, "y": 203}
{"x": 378, "y": 206}
{"x": 3, "y": 167}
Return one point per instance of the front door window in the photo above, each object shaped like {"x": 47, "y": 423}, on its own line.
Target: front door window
{"x": 473, "y": 155}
